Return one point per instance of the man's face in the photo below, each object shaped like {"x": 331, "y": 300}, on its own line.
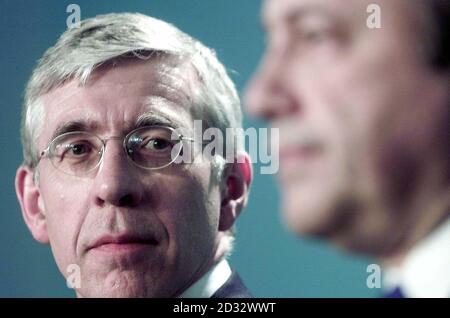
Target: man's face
{"x": 166, "y": 219}
{"x": 358, "y": 111}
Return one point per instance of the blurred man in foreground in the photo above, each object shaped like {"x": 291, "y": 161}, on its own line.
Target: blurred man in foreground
{"x": 364, "y": 126}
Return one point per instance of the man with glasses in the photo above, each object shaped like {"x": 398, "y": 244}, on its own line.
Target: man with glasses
{"x": 109, "y": 112}
{"x": 364, "y": 115}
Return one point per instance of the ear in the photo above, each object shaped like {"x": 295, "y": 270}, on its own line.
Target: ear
{"x": 236, "y": 180}
{"x": 31, "y": 204}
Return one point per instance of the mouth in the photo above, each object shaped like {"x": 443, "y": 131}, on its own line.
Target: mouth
{"x": 302, "y": 153}
{"x": 301, "y": 163}
{"x": 124, "y": 243}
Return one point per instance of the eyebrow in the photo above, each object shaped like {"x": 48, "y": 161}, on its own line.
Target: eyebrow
{"x": 74, "y": 125}
{"x": 298, "y": 13}
{"x": 295, "y": 15}
{"x": 147, "y": 119}
{"x": 152, "y": 119}
{"x": 155, "y": 115}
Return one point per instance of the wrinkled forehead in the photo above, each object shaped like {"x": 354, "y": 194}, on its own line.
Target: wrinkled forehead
{"x": 121, "y": 96}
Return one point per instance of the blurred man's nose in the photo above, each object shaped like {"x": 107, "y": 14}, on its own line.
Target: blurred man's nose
{"x": 117, "y": 182}
{"x": 267, "y": 95}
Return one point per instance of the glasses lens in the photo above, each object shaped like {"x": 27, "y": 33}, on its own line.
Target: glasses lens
{"x": 153, "y": 147}
{"x": 76, "y": 153}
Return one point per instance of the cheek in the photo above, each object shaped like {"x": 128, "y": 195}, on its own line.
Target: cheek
{"x": 375, "y": 111}
{"x": 64, "y": 208}
{"x": 362, "y": 95}
{"x": 346, "y": 106}
{"x": 191, "y": 217}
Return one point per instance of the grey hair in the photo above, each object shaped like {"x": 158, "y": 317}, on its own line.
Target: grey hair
{"x": 106, "y": 38}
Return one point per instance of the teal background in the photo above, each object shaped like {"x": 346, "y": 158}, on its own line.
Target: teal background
{"x": 272, "y": 262}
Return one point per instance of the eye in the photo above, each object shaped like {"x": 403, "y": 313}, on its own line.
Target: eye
{"x": 158, "y": 144}
{"x": 78, "y": 149}
{"x": 315, "y": 36}
{"x": 313, "y": 29}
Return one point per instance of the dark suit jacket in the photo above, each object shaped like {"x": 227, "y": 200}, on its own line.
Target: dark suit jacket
{"x": 233, "y": 288}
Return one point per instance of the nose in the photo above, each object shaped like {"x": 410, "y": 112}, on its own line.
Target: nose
{"x": 267, "y": 95}
{"x": 117, "y": 182}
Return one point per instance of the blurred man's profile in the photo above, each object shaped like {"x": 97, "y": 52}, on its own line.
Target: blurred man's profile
{"x": 363, "y": 111}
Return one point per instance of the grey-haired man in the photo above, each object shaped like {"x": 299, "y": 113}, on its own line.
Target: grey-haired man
{"x": 107, "y": 112}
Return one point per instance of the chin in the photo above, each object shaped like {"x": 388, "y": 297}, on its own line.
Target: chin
{"x": 341, "y": 221}
{"x": 117, "y": 286}
{"x": 114, "y": 293}
{"x": 315, "y": 211}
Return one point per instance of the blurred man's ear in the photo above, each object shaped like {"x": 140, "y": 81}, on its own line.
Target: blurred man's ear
{"x": 237, "y": 177}
{"x": 31, "y": 204}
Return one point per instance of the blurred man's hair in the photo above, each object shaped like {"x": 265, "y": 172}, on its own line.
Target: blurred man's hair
{"x": 438, "y": 33}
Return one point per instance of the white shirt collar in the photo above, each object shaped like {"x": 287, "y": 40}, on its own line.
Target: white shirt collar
{"x": 209, "y": 283}
{"x": 426, "y": 269}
